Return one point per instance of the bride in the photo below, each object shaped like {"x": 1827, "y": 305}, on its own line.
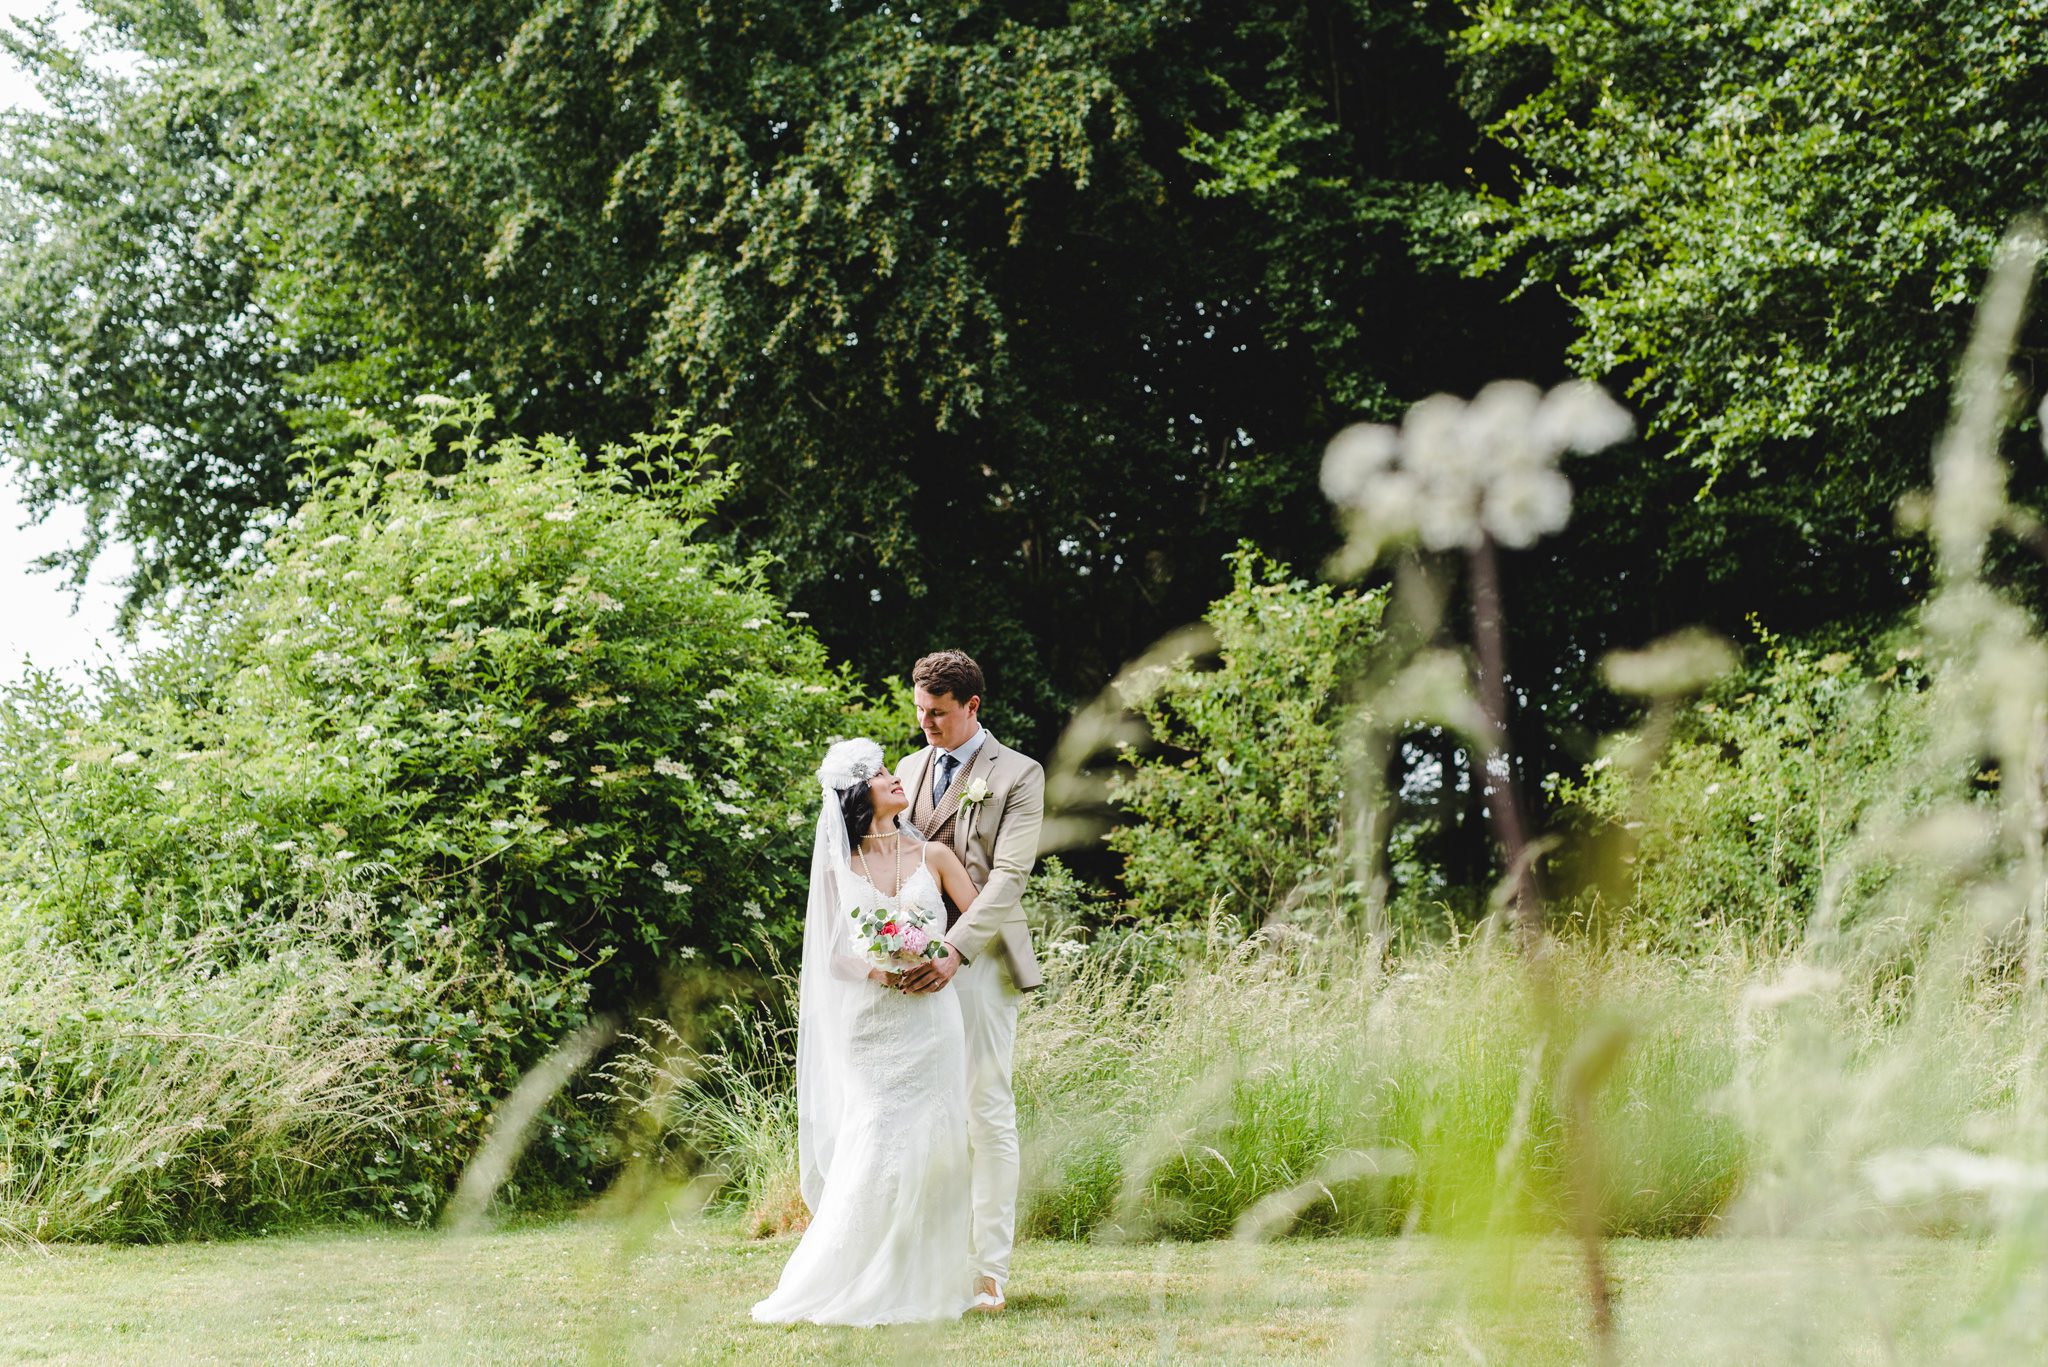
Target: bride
{"x": 881, "y": 1075}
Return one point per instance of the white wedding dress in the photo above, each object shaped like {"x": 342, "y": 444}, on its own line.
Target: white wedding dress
{"x": 886, "y": 1171}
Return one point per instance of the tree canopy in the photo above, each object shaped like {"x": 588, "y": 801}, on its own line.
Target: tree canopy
{"x": 1023, "y": 315}
{"x": 1025, "y": 312}
{"x": 1770, "y": 223}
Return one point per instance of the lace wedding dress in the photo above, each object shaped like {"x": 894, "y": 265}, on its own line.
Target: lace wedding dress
{"x": 885, "y": 1164}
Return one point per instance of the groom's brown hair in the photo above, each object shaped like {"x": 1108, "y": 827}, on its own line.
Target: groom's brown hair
{"x": 949, "y": 671}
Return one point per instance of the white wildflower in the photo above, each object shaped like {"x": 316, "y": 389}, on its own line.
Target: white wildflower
{"x": 1581, "y": 416}
{"x": 1354, "y": 458}
{"x": 565, "y": 513}
{"x": 462, "y": 601}
{"x": 125, "y": 759}
{"x": 1900, "y": 1176}
{"x": 727, "y": 809}
{"x": 674, "y": 888}
{"x": 753, "y": 909}
{"x": 1679, "y": 663}
{"x": 1522, "y": 506}
{"x": 551, "y": 764}
{"x": 557, "y": 737}
{"x": 660, "y": 869}
{"x": 1502, "y": 422}
{"x": 366, "y": 732}
{"x": 1393, "y": 499}
{"x": 687, "y": 952}
{"x": 754, "y": 623}
{"x": 606, "y": 603}
{"x": 729, "y": 786}
{"x": 1445, "y": 516}
{"x": 326, "y": 541}
{"x": 1437, "y": 442}
{"x": 669, "y": 768}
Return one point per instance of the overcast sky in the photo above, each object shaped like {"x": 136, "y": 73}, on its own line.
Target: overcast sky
{"x": 36, "y": 616}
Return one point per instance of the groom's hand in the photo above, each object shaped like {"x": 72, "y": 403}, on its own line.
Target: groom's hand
{"x": 930, "y": 977}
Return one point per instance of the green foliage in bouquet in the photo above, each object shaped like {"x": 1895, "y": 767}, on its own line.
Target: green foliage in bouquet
{"x": 1244, "y": 802}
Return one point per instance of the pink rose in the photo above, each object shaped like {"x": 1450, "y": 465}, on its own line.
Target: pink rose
{"x": 915, "y": 940}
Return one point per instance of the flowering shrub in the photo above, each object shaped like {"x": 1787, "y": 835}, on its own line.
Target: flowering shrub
{"x": 1245, "y": 799}
{"x": 510, "y": 696}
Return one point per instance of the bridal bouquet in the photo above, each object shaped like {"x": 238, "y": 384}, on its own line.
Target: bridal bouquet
{"x": 896, "y": 939}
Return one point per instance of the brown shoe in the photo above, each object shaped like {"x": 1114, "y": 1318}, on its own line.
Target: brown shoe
{"x": 988, "y": 1297}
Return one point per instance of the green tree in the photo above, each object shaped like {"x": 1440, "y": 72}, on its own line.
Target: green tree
{"x": 1770, "y": 223}
{"x": 1243, "y": 806}
{"x": 1026, "y": 312}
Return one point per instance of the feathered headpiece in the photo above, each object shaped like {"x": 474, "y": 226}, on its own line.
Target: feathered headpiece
{"x": 849, "y": 762}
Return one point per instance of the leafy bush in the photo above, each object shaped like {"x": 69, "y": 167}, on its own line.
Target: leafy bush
{"x": 1759, "y": 798}
{"x": 519, "y": 706}
{"x": 1243, "y": 805}
{"x": 523, "y": 692}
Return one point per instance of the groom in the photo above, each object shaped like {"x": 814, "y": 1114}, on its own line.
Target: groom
{"x": 987, "y": 801}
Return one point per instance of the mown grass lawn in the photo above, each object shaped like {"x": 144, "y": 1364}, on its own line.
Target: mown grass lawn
{"x": 593, "y": 1291}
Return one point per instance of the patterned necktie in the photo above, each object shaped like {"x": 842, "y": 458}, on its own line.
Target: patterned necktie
{"x": 947, "y": 764}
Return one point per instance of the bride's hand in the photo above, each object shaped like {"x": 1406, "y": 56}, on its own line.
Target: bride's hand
{"x": 883, "y": 978}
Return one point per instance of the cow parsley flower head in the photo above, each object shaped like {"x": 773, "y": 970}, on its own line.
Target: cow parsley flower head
{"x": 1456, "y": 473}
{"x": 1579, "y": 415}
{"x": 1357, "y": 456}
{"x": 1503, "y": 421}
{"x": 1523, "y": 506}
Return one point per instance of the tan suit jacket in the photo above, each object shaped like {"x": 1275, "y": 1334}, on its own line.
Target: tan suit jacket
{"x": 996, "y": 838}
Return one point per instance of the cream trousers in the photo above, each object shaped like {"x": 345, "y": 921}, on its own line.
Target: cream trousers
{"x": 989, "y": 1005}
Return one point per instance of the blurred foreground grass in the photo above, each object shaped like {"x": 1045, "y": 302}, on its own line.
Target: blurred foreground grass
{"x": 569, "y": 1292}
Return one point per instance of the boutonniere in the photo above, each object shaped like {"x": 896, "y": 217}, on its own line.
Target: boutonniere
{"x": 977, "y": 792}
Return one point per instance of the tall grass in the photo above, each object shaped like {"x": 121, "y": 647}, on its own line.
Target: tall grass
{"x": 246, "y": 1077}
{"x": 1277, "y": 1083}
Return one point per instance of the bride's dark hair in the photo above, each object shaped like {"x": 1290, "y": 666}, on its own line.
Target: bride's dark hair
{"x": 857, "y": 810}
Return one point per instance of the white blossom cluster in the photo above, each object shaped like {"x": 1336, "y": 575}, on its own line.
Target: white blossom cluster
{"x": 1454, "y": 472}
